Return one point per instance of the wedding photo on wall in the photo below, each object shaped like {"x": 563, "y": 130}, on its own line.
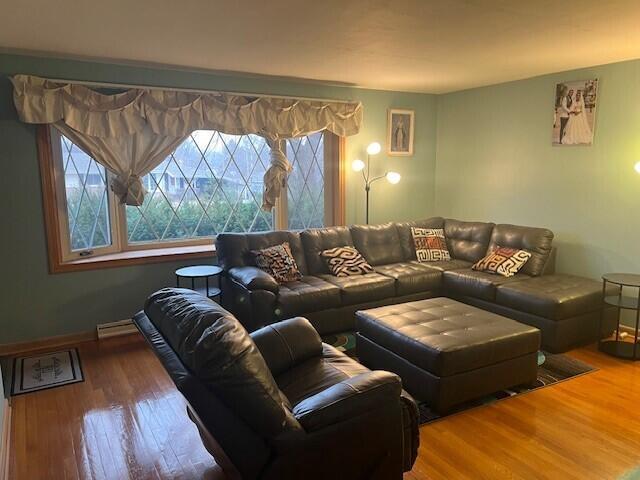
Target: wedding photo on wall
{"x": 575, "y": 112}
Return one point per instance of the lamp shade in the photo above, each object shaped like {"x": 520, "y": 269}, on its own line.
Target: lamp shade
{"x": 393, "y": 177}
{"x": 374, "y": 148}
{"x": 357, "y": 165}
{"x": 636, "y": 167}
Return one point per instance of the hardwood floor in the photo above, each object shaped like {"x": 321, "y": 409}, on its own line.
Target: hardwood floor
{"x": 127, "y": 421}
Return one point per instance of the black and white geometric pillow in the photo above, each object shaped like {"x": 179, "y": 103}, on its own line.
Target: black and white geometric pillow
{"x": 345, "y": 261}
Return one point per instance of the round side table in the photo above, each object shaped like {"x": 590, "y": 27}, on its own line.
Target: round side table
{"x": 617, "y": 347}
{"x": 199, "y": 272}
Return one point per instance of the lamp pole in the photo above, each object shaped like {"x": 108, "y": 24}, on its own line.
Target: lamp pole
{"x": 366, "y": 190}
{"x": 359, "y": 166}
{"x": 367, "y": 185}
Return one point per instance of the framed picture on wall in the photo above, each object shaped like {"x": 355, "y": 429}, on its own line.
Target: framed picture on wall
{"x": 400, "y": 125}
{"x": 574, "y": 115}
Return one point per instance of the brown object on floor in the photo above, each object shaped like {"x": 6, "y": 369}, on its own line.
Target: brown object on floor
{"x": 128, "y": 421}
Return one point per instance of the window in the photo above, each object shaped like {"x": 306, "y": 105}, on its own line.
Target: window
{"x": 211, "y": 183}
{"x": 87, "y": 200}
{"x": 305, "y": 185}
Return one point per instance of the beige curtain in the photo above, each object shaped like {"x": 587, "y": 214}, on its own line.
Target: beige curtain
{"x": 130, "y": 133}
{"x": 129, "y": 157}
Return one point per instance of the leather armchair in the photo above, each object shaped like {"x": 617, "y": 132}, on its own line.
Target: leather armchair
{"x": 279, "y": 404}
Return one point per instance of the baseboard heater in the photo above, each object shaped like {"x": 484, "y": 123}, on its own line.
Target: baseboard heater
{"x": 115, "y": 329}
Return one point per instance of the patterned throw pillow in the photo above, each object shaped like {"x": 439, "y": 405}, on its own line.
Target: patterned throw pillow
{"x": 278, "y": 262}
{"x": 345, "y": 262}
{"x": 430, "y": 244}
{"x": 503, "y": 261}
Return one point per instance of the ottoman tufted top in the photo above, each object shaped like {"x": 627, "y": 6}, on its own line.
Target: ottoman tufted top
{"x": 446, "y": 337}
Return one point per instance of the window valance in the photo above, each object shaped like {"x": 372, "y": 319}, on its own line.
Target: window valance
{"x": 131, "y": 132}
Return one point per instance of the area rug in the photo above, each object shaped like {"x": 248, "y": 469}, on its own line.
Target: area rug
{"x": 46, "y": 370}
{"x": 552, "y": 368}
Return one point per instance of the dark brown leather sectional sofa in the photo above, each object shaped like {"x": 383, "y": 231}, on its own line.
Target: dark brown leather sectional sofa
{"x": 566, "y": 308}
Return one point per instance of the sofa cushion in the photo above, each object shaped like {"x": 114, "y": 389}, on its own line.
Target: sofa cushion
{"x": 467, "y": 240}
{"x": 444, "y": 265}
{"x": 363, "y": 288}
{"x": 345, "y": 261}
{"x": 315, "y": 240}
{"x": 412, "y": 277}
{"x": 555, "y": 297}
{"x": 308, "y": 294}
{"x": 380, "y": 244}
{"x": 503, "y": 261}
{"x": 446, "y": 337}
{"x": 318, "y": 374}
{"x": 220, "y": 352}
{"x": 476, "y": 284}
{"x": 406, "y": 239}
{"x": 234, "y": 249}
{"x": 536, "y": 241}
{"x": 278, "y": 262}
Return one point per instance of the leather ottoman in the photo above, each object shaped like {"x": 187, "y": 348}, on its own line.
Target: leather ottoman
{"x": 447, "y": 352}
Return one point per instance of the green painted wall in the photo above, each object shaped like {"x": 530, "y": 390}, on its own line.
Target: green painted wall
{"x": 495, "y": 162}
{"x": 37, "y": 304}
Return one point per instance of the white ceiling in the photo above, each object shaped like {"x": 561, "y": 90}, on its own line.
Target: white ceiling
{"x": 429, "y": 46}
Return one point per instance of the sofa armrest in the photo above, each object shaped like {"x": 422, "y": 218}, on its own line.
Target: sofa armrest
{"x": 252, "y": 278}
{"x": 288, "y": 343}
{"x": 349, "y": 398}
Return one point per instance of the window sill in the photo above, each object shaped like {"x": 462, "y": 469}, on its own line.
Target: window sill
{"x": 136, "y": 257}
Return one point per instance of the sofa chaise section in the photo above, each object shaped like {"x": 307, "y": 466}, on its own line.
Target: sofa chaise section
{"x": 566, "y": 308}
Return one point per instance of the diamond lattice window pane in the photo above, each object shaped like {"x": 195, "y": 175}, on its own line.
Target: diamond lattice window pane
{"x": 212, "y": 183}
{"x": 305, "y": 185}
{"x": 87, "y": 202}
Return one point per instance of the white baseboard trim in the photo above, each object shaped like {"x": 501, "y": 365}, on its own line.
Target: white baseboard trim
{"x": 5, "y": 440}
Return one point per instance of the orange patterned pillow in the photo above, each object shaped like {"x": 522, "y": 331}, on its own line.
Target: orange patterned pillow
{"x": 430, "y": 244}
{"x": 503, "y": 261}
{"x": 278, "y": 262}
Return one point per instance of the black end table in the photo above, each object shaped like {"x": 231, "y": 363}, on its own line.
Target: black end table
{"x": 617, "y": 347}
{"x": 199, "y": 272}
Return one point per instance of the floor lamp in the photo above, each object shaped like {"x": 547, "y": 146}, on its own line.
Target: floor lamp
{"x": 360, "y": 166}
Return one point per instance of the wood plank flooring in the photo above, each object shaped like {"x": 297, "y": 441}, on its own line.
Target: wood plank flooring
{"x": 126, "y": 421}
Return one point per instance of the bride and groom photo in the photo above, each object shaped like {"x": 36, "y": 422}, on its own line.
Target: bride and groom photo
{"x": 575, "y": 110}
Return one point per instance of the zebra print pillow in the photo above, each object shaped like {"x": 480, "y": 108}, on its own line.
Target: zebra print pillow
{"x": 278, "y": 262}
{"x": 345, "y": 261}
{"x": 503, "y": 261}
